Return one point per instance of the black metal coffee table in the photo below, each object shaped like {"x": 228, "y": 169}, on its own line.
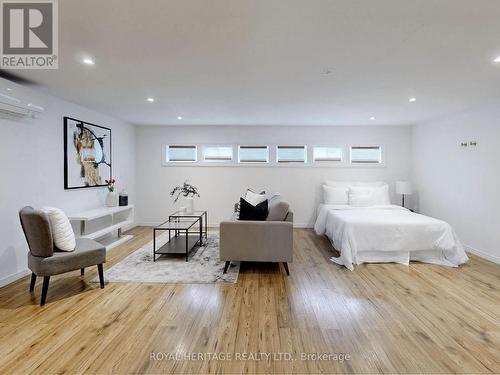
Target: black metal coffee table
{"x": 201, "y": 214}
{"x": 183, "y": 241}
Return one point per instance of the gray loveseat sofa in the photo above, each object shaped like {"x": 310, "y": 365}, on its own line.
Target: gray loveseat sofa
{"x": 257, "y": 241}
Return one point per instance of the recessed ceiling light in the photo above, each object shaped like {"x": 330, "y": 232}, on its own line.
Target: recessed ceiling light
{"x": 412, "y": 100}
{"x": 497, "y": 60}
{"x": 151, "y": 100}
{"x": 179, "y": 117}
{"x": 88, "y": 61}
{"x": 372, "y": 118}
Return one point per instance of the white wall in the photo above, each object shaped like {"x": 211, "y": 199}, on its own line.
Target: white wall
{"x": 221, "y": 186}
{"x": 31, "y": 151}
{"x": 461, "y": 185}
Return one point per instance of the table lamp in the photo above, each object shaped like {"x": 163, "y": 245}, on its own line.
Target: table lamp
{"x": 403, "y": 188}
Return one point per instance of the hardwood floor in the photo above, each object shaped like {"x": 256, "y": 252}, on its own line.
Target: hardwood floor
{"x": 388, "y": 318}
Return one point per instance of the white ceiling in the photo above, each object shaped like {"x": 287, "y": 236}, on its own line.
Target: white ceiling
{"x": 263, "y": 62}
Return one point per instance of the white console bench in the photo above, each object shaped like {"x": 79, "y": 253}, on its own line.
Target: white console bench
{"x": 104, "y": 224}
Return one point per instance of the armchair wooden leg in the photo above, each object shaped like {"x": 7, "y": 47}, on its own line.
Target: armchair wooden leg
{"x": 33, "y": 281}
{"x": 101, "y": 275}
{"x": 82, "y": 271}
{"x": 45, "y": 288}
{"x": 226, "y": 267}
{"x": 285, "y": 265}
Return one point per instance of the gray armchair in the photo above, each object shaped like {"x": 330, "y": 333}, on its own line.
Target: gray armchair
{"x": 45, "y": 260}
{"x": 257, "y": 241}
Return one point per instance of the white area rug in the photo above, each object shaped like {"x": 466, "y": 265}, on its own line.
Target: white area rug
{"x": 204, "y": 266}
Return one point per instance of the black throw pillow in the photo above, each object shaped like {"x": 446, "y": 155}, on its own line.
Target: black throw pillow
{"x": 251, "y": 212}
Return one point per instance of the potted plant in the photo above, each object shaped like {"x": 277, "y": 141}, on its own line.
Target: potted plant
{"x": 112, "y": 197}
{"x": 188, "y": 191}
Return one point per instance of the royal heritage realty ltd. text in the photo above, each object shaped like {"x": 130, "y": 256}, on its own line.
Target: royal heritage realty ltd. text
{"x": 249, "y": 356}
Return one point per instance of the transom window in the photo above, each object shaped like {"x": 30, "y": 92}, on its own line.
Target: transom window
{"x": 253, "y": 154}
{"x": 177, "y": 153}
{"x": 232, "y": 155}
{"x": 218, "y": 153}
{"x": 325, "y": 153}
{"x": 366, "y": 154}
{"x": 291, "y": 154}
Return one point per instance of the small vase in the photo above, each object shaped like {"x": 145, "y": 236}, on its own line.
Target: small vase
{"x": 189, "y": 205}
{"x": 112, "y": 199}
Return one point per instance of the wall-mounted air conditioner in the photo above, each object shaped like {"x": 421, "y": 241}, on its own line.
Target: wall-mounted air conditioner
{"x": 16, "y": 101}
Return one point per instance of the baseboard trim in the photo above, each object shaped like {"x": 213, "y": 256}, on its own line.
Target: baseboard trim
{"x": 482, "y": 254}
{"x": 128, "y": 227}
{"x": 215, "y": 225}
{"x": 14, "y": 277}
{"x": 147, "y": 223}
{"x": 303, "y": 226}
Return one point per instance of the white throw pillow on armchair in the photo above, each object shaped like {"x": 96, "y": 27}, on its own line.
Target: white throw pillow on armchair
{"x": 62, "y": 231}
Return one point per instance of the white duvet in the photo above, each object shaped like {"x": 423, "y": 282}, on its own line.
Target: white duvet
{"x": 388, "y": 234}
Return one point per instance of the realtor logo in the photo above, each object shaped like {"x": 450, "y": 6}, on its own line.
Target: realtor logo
{"x": 29, "y": 34}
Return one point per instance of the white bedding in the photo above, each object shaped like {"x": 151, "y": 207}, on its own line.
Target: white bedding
{"x": 388, "y": 234}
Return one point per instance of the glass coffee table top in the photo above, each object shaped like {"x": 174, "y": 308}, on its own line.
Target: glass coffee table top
{"x": 181, "y": 224}
{"x": 191, "y": 214}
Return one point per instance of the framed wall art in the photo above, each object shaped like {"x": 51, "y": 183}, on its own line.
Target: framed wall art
{"x": 87, "y": 154}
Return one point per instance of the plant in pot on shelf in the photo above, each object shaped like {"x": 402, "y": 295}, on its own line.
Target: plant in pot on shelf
{"x": 112, "y": 197}
{"x": 188, "y": 191}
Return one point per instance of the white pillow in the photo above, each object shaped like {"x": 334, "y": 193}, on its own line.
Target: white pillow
{"x": 335, "y": 195}
{"x": 363, "y": 196}
{"x": 272, "y": 196}
{"x": 253, "y": 198}
{"x": 360, "y": 199}
{"x": 380, "y": 195}
{"x": 62, "y": 231}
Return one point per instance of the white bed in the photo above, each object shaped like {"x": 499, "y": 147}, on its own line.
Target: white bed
{"x": 387, "y": 233}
